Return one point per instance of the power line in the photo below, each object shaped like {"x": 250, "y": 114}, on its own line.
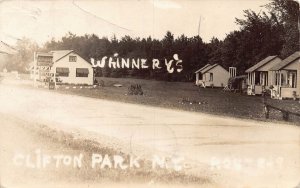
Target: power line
{"x": 99, "y": 17}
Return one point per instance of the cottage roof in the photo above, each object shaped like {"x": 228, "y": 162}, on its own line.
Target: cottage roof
{"x": 261, "y": 63}
{"x": 286, "y": 61}
{"x": 6, "y": 49}
{"x": 199, "y": 70}
{"x": 59, "y": 54}
{"x": 209, "y": 68}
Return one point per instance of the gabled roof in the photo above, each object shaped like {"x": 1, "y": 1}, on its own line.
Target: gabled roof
{"x": 199, "y": 70}
{"x": 286, "y": 61}
{"x": 59, "y": 54}
{"x": 6, "y": 49}
{"x": 261, "y": 63}
{"x": 209, "y": 68}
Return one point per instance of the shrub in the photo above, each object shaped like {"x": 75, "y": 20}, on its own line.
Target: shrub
{"x": 135, "y": 89}
{"x": 101, "y": 83}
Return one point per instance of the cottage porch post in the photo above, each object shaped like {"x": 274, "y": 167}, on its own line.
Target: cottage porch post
{"x": 271, "y": 79}
{"x": 248, "y": 78}
{"x": 34, "y": 69}
{"x": 279, "y": 85}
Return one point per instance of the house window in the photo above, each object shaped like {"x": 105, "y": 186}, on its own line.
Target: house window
{"x": 72, "y": 58}
{"x": 211, "y": 77}
{"x": 82, "y": 72}
{"x": 62, "y": 71}
{"x": 200, "y": 76}
{"x": 283, "y": 79}
{"x": 264, "y": 78}
{"x": 292, "y": 79}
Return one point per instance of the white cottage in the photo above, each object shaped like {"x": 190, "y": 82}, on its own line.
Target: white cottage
{"x": 69, "y": 67}
{"x": 287, "y": 78}
{"x": 6, "y": 51}
{"x": 212, "y": 76}
{"x": 260, "y": 76}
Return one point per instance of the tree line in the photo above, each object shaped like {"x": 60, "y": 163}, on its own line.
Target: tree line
{"x": 274, "y": 32}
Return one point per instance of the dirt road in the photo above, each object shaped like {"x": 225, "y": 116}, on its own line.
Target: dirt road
{"x": 231, "y": 152}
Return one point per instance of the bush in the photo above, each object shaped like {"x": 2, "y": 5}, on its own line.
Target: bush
{"x": 135, "y": 90}
{"x": 99, "y": 83}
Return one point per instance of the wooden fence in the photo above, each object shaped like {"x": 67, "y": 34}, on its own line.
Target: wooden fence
{"x": 285, "y": 113}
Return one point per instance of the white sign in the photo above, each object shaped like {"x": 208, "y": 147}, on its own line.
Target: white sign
{"x": 49, "y": 74}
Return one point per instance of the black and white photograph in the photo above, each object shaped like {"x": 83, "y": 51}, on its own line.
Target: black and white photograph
{"x": 149, "y": 93}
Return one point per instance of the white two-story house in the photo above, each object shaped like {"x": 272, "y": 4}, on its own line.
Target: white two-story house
{"x": 69, "y": 67}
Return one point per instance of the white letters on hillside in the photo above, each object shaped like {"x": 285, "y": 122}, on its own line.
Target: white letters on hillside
{"x": 115, "y": 62}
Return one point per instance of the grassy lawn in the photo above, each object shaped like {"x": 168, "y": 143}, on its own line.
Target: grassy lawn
{"x": 186, "y": 96}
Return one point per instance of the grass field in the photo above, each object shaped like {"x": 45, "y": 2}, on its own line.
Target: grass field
{"x": 186, "y": 96}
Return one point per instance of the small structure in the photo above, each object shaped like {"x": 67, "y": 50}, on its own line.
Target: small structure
{"x": 212, "y": 76}
{"x": 260, "y": 76}
{"x": 232, "y": 72}
{"x": 238, "y": 83}
{"x": 67, "y": 67}
{"x": 40, "y": 71}
{"x": 199, "y": 75}
{"x": 287, "y": 78}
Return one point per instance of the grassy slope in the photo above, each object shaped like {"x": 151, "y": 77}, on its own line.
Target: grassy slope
{"x": 25, "y": 137}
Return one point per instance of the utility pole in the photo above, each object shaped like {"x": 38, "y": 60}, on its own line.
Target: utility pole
{"x": 34, "y": 69}
{"x": 199, "y": 26}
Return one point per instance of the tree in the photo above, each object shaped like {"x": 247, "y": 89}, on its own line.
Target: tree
{"x": 262, "y": 34}
{"x": 21, "y": 61}
{"x": 287, "y": 14}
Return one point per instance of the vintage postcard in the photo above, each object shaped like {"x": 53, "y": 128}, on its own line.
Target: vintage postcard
{"x": 149, "y": 93}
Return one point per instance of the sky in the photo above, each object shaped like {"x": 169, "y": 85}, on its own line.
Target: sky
{"x": 43, "y": 20}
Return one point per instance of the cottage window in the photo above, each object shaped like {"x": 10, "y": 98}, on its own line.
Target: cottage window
{"x": 62, "y": 71}
{"x": 72, "y": 58}
{"x": 283, "y": 79}
{"x": 200, "y": 76}
{"x": 211, "y": 77}
{"x": 264, "y": 78}
{"x": 82, "y": 72}
{"x": 292, "y": 79}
